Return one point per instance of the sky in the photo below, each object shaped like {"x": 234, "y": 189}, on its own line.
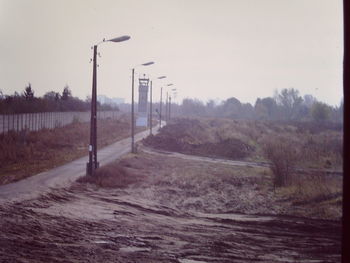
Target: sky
{"x": 208, "y": 49}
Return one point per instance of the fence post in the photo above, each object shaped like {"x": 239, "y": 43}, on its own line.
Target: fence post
{"x": 8, "y": 123}
{"x": 36, "y": 121}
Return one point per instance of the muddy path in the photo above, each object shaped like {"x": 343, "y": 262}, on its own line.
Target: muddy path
{"x": 86, "y": 225}
{"x": 176, "y": 213}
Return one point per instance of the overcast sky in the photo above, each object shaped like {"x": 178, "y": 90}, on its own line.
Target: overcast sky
{"x": 209, "y": 49}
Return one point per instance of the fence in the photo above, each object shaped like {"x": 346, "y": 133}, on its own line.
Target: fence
{"x": 48, "y": 120}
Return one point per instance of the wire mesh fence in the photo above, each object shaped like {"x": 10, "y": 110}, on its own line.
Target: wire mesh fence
{"x": 47, "y": 120}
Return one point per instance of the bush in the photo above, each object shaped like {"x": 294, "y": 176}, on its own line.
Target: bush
{"x": 112, "y": 175}
{"x": 282, "y": 152}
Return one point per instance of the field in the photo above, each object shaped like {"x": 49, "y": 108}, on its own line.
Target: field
{"x": 154, "y": 207}
{"x": 201, "y": 190}
{"x": 305, "y": 159}
{"x": 28, "y": 153}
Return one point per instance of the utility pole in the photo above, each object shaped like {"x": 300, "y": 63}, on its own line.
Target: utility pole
{"x": 150, "y": 111}
{"x": 169, "y": 106}
{"x": 160, "y": 107}
{"x": 132, "y": 113}
{"x": 166, "y": 107}
{"x": 93, "y": 164}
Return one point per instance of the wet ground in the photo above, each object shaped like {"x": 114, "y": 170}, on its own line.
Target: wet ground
{"x": 177, "y": 214}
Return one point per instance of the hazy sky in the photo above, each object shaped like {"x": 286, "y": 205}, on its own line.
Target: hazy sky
{"x": 207, "y": 48}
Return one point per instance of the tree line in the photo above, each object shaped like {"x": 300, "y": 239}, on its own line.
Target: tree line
{"x": 286, "y": 104}
{"x": 27, "y": 102}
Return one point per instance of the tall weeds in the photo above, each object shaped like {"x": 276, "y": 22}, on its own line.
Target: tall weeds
{"x": 283, "y": 155}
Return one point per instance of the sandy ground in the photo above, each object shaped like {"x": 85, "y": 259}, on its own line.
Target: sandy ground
{"x": 178, "y": 210}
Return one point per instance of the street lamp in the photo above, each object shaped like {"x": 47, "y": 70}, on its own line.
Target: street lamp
{"x": 132, "y": 106}
{"x": 168, "y": 102}
{"x": 173, "y": 90}
{"x": 160, "y": 103}
{"x": 151, "y": 98}
{"x": 92, "y": 165}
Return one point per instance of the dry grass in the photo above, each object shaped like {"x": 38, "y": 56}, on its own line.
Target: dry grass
{"x": 27, "y": 153}
{"x": 190, "y": 185}
{"x": 289, "y": 147}
{"x": 283, "y": 154}
{"x": 316, "y": 188}
{"x": 314, "y": 195}
{"x": 113, "y": 175}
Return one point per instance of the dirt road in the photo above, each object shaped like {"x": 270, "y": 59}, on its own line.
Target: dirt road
{"x": 182, "y": 211}
{"x": 85, "y": 225}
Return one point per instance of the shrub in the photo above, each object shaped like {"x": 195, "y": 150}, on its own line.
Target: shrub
{"x": 112, "y": 175}
{"x": 282, "y": 152}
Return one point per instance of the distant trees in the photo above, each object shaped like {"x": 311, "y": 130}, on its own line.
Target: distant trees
{"x": 28, "y": 92}
{"x": 320, "y": 111}
{"x": 193, "y": 107}
{"x": 66, "y": 93}
{"x": 266, "y": 109}
{"x": 290, "y": 103}
{"x": 51, "y": 101}
{"x": 286, "y": 104}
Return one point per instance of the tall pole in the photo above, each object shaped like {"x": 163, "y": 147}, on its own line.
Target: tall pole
{"x": 132, "y": 114}
{"x": 150, "y": 111}
{"x": 346, "y": 131}
{"x": 160, "y": 107}
{"x": 169, "y": 106}
{"x": 166, "y": 107}
{"x": 92, "y": 165}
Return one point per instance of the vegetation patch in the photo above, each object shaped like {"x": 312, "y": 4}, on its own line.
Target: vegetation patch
{"x": 30, "y": 152}
{"x": 199, "y": 137}
{"x": 113, "y": 175}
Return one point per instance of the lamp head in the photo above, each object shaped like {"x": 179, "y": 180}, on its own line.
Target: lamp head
{"x": 148, "y": 63}
{"x": 119, "y": 39}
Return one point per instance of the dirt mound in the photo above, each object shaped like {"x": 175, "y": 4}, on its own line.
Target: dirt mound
{"x": 193, "y": 136}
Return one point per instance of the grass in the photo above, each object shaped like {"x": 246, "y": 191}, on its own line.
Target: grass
{"x": 219, "y": 188}
{"x": 288, "y": 146}
{"x": 314, "y": 195}
{"x": 28, "y": 153}
{"x": 113, "y": 175}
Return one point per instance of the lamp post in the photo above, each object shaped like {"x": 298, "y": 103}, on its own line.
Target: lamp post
{"x": 132, "y": 106}
{"x": 150, "y": 111}
{"x": 92, "y": 165}
{"x": 168, "y": 103}
{"x": 151, "y": 116}
{"x": 160, "y": 107}
{"x": 160, "y": 103}
{"x": 173, "y": 90}
{"x": 166, "y": 106}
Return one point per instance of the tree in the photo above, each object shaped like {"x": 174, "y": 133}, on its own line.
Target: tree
{"x": 309, "y": 100}
{"x": 290, "y": 103}
{"x": 231, "y": 108}
{"x": 320, "y": 111}
{"x": 210, "y": 106}
{"x": 66, "y": 93}
{"x": 192, "y": 107}
{"x": 266, "y": 108}
{"x": 52, "y": 96}
{"x": 28, "y": 92}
